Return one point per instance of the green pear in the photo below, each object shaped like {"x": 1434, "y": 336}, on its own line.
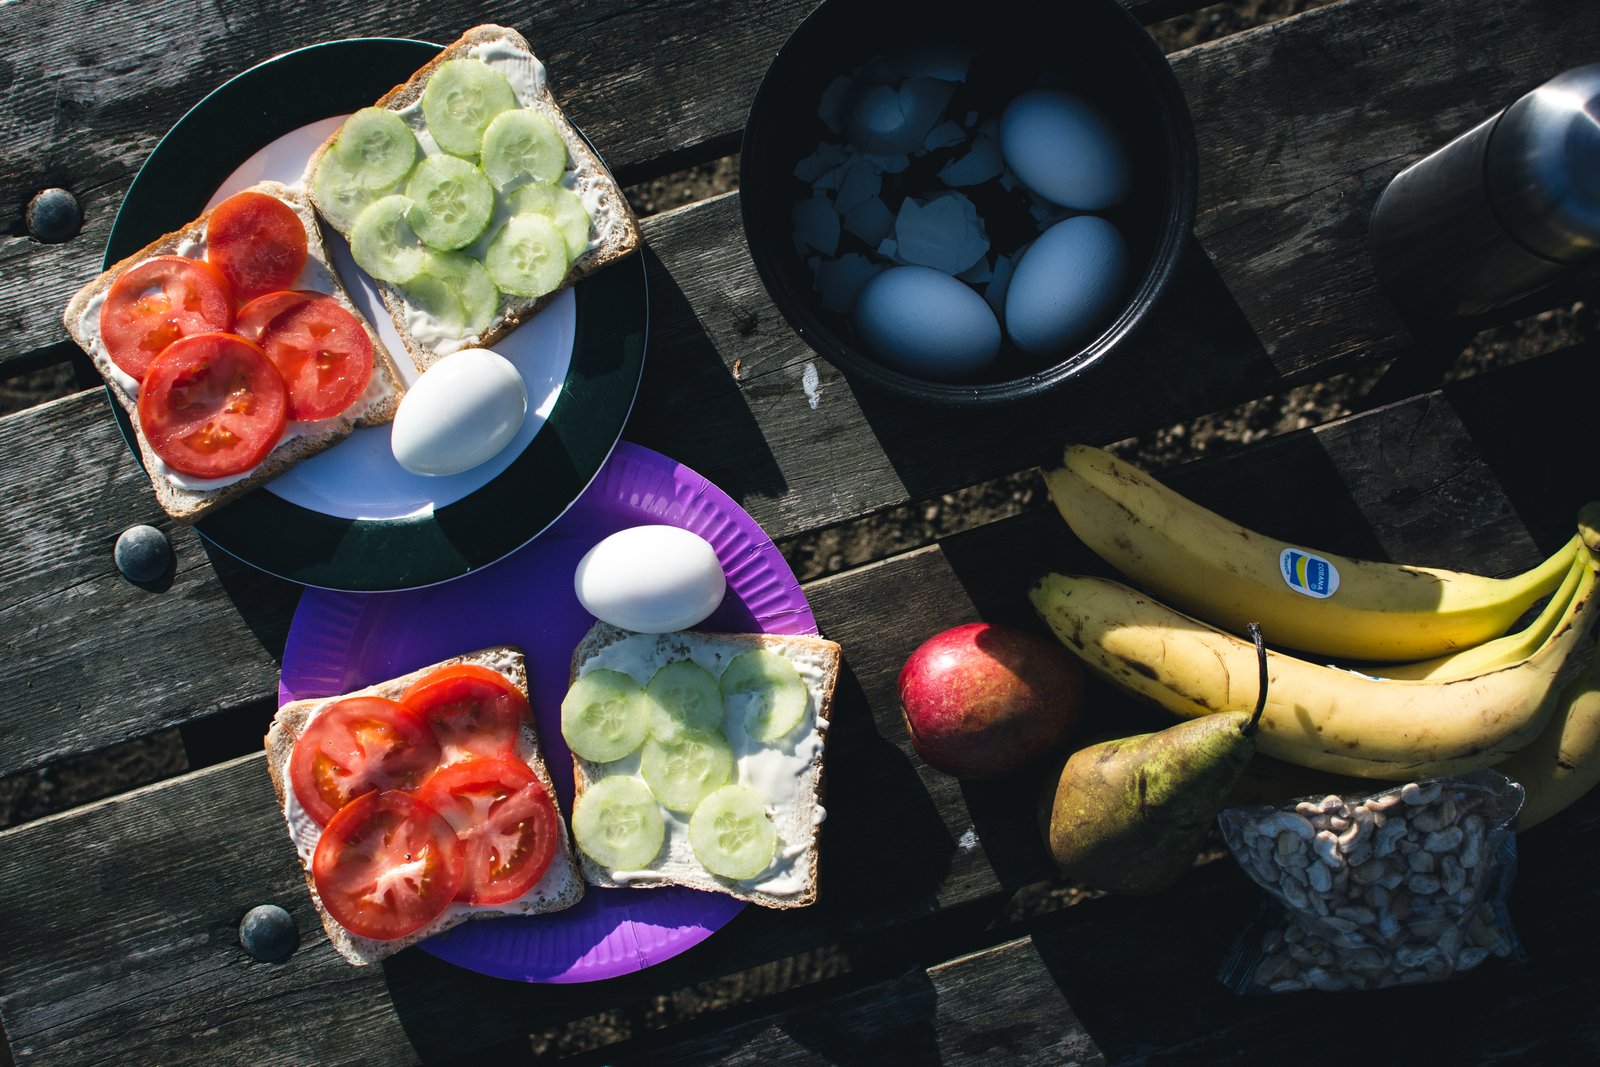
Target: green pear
{"x": 1129, "y": 815}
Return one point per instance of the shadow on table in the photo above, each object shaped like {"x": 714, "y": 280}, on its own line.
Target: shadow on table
{"x": 1141, "y": 973}
{"x": 685, "y": 378}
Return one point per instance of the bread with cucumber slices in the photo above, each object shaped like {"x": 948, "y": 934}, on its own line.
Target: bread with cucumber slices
{"x": 479, "y": 205}
{"x": 721, "y": 789}
{"x": 559, "y": 888}
{"x": 187, "y": 498}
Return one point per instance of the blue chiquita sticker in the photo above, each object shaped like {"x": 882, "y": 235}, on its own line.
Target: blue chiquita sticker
{"x": 1308, "y": 574}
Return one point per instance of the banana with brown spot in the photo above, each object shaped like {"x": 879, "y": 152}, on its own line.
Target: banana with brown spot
{"x": 1317, "y": 716}
{"x": 1230, "y": 576}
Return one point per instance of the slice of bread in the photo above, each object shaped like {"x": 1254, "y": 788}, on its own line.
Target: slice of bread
{"x": 615, "y": 231}
{"x": 560, "y": 888}
{"x": 186, "y": 500}
{"x": 791, "y": 882}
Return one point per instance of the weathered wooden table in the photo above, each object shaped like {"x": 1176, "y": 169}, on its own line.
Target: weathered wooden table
{"x": 936, "y": 938}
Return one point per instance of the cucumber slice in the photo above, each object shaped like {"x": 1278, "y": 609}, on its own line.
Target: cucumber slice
{"x": 731, "y": 834}
{"x": 454, "y": 289}
{"x": 681, "y": 773}
{"x": 452, "y": 202}
{"x": 619, "y": 824}
{"x": 683, "y": 696}
{"x": 377, "y": 147}
{"x": 764, "y": 693}
{"x": 561, "y": 206}
{"x": 522, "y": 144}
{"x": 604, "y": 716}
{"x": 461, "y": 98}
{"x": 383, "y": 244}
{"x": 340, "y": 195}
{"x": 528, "y": 257}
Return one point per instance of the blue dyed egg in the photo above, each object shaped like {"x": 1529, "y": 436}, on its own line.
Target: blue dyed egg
{"x": 1066, "y": 286}
{"x": 925, "y": 323}
{"x": 1066, "y": 150}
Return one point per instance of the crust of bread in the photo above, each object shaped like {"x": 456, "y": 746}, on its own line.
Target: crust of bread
{"x": 614, "y": 222}
{"x": 601, "y": 636}
{"x": 560, "y": 888}
{"x": 188, "y": 505}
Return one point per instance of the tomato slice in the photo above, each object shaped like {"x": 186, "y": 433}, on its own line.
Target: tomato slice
{"x": 473, "y": 710}
{"x": 255, "y": 315}
{"x": 158, "y": 301}
{"x": 387, "y": 865}
{"x": 323, "y": 353}
{"x": 506, "y": 821}
{"x": 258, "y": 243}
{"x": 357, "y": 746}
{"x": 212, "y": 405}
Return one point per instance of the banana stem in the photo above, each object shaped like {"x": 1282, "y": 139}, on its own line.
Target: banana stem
{"x": 1250, "y": 727}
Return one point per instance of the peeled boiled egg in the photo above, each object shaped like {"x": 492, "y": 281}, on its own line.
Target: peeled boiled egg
{"x": 1065, "y": 149}
{"x": 651, "y": 579}
{"x": 1065, "y": 286}
{"x": 923, "y": 322}
{"x": 462, "y": 411}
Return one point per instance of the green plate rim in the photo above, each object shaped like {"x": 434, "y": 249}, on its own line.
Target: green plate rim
{"x": 274, "y": 535}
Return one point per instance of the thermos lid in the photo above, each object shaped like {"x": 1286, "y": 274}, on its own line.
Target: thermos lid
{"x": 1544, "y": 167}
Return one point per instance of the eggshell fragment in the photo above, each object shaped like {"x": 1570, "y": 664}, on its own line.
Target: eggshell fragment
{"x": 651, "y": 579}
{"x": 461, "y": 412}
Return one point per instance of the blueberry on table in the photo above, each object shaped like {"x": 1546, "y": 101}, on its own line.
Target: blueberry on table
{"x": 268, "y": 933}
{"x": 53, "y": 216}
{"x": 142, "y": 553}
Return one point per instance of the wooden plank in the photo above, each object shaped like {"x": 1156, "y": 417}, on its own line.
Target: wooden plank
{"x": 1000, "y": 1005}
{"x": 1301, "y": 124}
{"x": 184, "y": 859}
{"x": 71, "y": 504}
{"x": 106, "y": 82}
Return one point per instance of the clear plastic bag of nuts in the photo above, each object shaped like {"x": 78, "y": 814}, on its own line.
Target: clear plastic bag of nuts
{"x": 1396, "y": 887}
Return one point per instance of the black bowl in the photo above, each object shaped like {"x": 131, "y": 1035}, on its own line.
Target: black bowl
{"x": 1094, "y": 48}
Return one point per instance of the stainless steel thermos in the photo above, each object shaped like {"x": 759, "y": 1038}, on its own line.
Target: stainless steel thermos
{"x": 1503, "y": 210}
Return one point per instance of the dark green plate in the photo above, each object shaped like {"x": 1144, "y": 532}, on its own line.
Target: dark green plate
{"x": 192, "y": 161}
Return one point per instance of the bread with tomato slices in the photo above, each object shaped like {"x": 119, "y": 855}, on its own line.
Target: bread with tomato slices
{"x": 785, "y": 773}
{"x": 189, "y": 497}
{"x": 559, "y": 887}
{"x": 614, "y": 231}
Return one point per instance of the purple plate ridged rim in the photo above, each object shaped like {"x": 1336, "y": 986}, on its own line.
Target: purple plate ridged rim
{"x": 340, "y": 641}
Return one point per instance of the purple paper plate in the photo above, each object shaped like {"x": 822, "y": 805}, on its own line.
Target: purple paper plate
{"x": 342, "y": 641}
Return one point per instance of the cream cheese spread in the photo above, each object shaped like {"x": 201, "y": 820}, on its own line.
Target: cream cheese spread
{"x": 305, "y": 833}
{"x": 528, "y": 83}
{"x": 314, "y": 276}
{"x": 784, "y": 773}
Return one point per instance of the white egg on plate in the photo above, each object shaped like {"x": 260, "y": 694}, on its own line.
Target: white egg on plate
{"x": 459, "y": 413}
{"x": 1066, "y": 150}
{"x": 1065, "y": 287}
{"x": 651, "y": 579}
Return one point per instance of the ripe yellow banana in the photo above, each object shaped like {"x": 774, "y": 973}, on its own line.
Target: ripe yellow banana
{"x": 1316, "y": 716}
{"x": 1563, "y": 762}
{"x": 1316, "y": 602}
{"x": 1502, "y": 651}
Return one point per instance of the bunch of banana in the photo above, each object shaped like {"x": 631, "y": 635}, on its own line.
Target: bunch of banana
{"x": 1316, "y": 602}
{"x": 1318, "y": 716}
